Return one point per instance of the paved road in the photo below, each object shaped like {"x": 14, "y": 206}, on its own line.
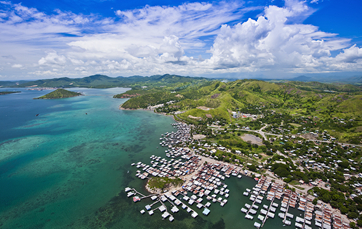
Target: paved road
{"x": 262, "y": 133}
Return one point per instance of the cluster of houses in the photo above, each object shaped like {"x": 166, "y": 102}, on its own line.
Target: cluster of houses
{"x": 324, "y": 218}
{"x": 238, "y": 114}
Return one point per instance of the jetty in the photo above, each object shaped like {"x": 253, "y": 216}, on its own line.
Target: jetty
{"x": 201, "y": 180}
{"x": 271, "y": 210}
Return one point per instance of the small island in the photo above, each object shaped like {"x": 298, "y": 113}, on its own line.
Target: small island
{"x": 8, "y": 92}
{"x": 159, "y": 184}
{"x": 59, "y": 94}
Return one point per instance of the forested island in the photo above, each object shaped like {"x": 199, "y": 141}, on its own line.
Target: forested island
{"x": 8, "y": 92}
{"x": 59, "y": 94}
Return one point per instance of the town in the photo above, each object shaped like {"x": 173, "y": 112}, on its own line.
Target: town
{"x": 317, "y": 173}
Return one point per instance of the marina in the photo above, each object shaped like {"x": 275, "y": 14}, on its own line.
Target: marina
{"x": 322, "y": 215}
{"x": 204, "y": 185}
{"x": 202, "y": 182}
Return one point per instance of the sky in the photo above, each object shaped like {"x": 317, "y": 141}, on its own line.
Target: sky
{"x": 42, "y": 39}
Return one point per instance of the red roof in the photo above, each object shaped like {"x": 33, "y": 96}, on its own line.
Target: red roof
{"x": 136, "y": 199}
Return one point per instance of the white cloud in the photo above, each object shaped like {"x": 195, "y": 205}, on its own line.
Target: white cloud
{"x": 52, "y": 59}
{"x": 17, "y": 66}
{"x": 271, "y": 42}
{"x": 350, "y": 55}
{"x": 162, "y": 39}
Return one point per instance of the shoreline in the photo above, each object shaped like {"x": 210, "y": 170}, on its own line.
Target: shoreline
{"x": 145, "y": 109}
{"x": 249, "y": 174}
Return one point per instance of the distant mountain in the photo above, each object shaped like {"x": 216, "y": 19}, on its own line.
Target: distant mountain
{"x": 103, "y": 81}
{"x": 12, "y": 83}
{"x": 302, "y": 79}
{"x": 328, "y": 79}
{"x": 354, "y": 79}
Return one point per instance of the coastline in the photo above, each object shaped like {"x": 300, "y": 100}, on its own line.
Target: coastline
{"x": 249, "y": 173}
{"x": 145, "y": 109}
{"x": 61, "y": 97}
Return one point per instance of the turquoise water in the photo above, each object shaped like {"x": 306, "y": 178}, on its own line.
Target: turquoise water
{"x": 68, "y": 166}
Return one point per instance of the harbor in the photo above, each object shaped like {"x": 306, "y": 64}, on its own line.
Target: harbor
{"x": 203, "y": 182}
{"x": 204, "y": 188}
{"x": 319, "y": 214}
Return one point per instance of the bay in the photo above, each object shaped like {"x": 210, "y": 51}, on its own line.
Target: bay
{"x": 68, "y": 166}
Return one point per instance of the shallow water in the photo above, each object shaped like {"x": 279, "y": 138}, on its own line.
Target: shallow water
{"x": 68, "y": 166}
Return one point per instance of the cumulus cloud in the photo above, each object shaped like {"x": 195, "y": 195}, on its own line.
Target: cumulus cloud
{"x": 272, "y": 42}
{"x": 52, "y": 59}
{"x": 163, "y": 39}
{"x": 350, "y": 55}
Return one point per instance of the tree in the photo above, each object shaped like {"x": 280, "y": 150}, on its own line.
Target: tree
{"x": 359, "y": 222}
{"x": 352, "y": 224}
{"x": 282, "y": 172}
{"x": 343, "y": 209}
{"x": 326, "y": 197}
{"x": 252, "y": 168}
{"x": 315, "y": 201}
{"x": 352, "y": 215}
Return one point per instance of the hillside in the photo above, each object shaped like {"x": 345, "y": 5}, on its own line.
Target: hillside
{"x": 209, "y": 101}
{"x": 102, "y": 81}
{"x": 59, "y": 94}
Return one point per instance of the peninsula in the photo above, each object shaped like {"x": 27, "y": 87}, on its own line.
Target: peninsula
{"x": 8, "y": 92}
{"x": 59, "y": 94}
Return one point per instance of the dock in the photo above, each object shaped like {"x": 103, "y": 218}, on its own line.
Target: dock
{"x": 267, "y": 215}
{"x": 200, "y": 180}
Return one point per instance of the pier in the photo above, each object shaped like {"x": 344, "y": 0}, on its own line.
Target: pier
{"x": 266, "y": 216}
{"x": 305, "y": 212}
{"x": 201, "y": 180}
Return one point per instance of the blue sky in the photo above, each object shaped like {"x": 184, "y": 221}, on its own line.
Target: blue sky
{"x": 262, "y": 38}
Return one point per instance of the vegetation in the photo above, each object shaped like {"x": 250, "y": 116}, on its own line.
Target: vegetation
{"x": 8, "y": 92}
{"x": 306, "y": 127}
{"x": 59, "y": 94}
{"x": 303, "y": 123}
{"x": 291, "y": 107}
{"x": 102, "y": 81}
{"x": 163, "y": 182}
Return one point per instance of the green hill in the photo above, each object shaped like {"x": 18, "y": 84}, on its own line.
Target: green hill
{"x": 59, "y": 94}
{"x": 102, "y": 81}
{"x": 329, "y": 106}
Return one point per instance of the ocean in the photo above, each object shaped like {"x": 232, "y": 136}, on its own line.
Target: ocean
{"x": 64, "y": 163}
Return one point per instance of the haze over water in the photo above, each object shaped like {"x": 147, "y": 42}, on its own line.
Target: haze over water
{"x": 68, "y": 166}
